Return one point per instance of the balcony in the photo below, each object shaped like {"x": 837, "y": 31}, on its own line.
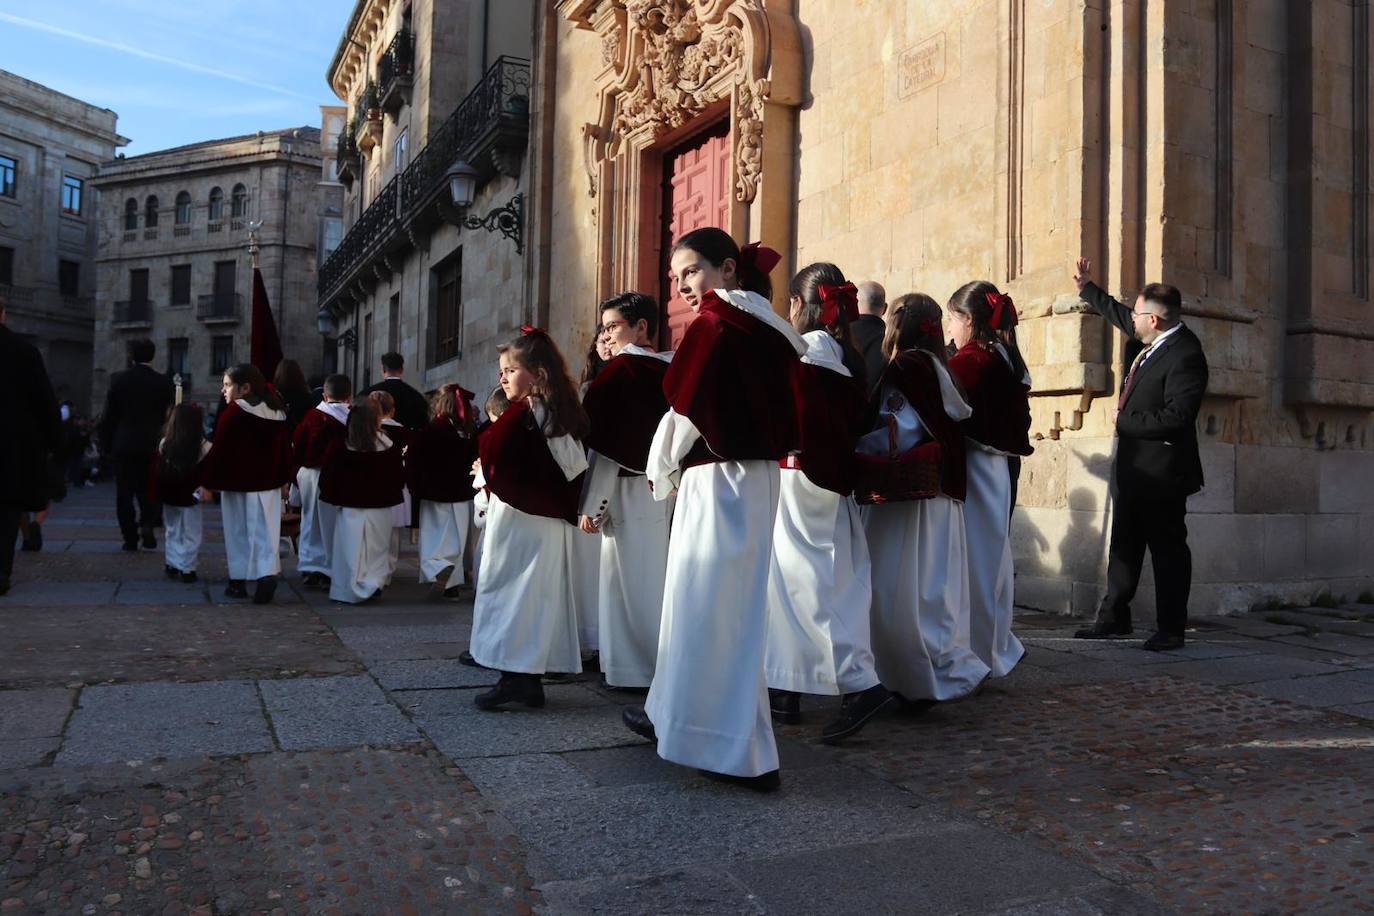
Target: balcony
{"x": 150, "y": 235}
{"x": 16, "y": 295}
{"x": 369, "y": 127}
{"x": 396, "y": 73}
{"x": 488, "y": 129}
{"x": 133, "y": 314}
{"x": 219, "y": 308}
{"x": 350, "y": 164}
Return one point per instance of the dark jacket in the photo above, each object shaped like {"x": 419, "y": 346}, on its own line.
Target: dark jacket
{"x": 1157, "y": 425}
{"x": 412, "y": 410}
{"x": 135, "y": 412}
{"x": 867, "y": 337}
{"x": 33, "y": 421}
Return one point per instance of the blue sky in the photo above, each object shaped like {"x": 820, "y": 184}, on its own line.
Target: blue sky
{"x": 180, "y": 71}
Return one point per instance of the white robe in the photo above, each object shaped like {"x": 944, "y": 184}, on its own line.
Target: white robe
{"x": 524, "y": 618}
{"x": 317, "y": 518}
{"x": 708, "y": 701}
{"x": 920, "y": 617}
{"x": 819, "y": 580}
{"x": 633, "y": 559}
{"x": 252, "y": 533}
{"x": 360, "y": 554}
{"x": 586, "y": 583}
{"x": 443, "y": 538}
{"x": 990, "y": 567}
{"x": 184, "y": 531}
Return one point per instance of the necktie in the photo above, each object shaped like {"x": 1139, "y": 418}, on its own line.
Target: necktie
{"x": 1130, "y": 376}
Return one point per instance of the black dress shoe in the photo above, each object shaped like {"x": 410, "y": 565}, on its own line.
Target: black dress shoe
{"x": 1163, "y": 642}
{"x": 767, "y": 782}
{"x": 513, "y": 688}
{"x": 189, "y": 576}
{"x": 171, "y": 571}
{"x": 4, "y": 586}
{"x": 33, "y": 540}
{"x": 785, "y": 705}
{"x": 637, "y": 721}
{"x": 1104, "y": 629}
{"x": 913, "y": 708}
{"x": 592, "y": 661}
{"x": 266, "y": 588}
{"x": 466, "y": 659}
{"x": 149, "y": 542}
{"x": 855, "y": 712}
{"x": 129, "y": 546}
{"x": 453, "y": 593}
{"x": 235, "y": 589}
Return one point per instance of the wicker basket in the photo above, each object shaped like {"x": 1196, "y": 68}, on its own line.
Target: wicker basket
{"x": 893, "y": 478}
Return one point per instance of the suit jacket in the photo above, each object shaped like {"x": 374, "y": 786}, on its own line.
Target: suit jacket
{"x": 867, "y": 335}
{"x": 1157, "y": 425}
{"x": 135, "y": 411}
{"x": 412, "y": 410}
{"x": 33, "y": 424}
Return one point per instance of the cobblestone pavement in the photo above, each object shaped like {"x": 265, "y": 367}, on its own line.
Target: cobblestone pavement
{"x": 165, "y": 751}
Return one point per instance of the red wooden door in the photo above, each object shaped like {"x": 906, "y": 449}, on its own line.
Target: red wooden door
{"x": 696, "y": 193}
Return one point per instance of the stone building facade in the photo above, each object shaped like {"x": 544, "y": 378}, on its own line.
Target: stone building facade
{"x": 1222, "y": 147}
{"x": 429, "y": 84}
{"x": 51, "y": 146}
{"x": 174, "y": 264}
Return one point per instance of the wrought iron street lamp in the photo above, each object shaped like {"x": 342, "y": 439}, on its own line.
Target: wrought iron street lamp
{"x": 509, "y": 220}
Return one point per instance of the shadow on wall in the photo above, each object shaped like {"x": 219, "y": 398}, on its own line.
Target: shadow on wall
{"x": 1061, "y": 552}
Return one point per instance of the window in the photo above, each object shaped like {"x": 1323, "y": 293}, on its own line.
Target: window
{"x": 181, "y": 284}
{"x": 332, "y": 227}
{"x": 183, "y": 215}
{"x": 150, "y": 211}
{"x": 8, "y": 170}
{"x": 69, "y": 278}
{"x": 448, "y": 309}
{"x": 332, "y": 173}
{"x": 367, "y": 350}
{"x": 221, "y": 354}
{"x": 6, "y": 266}
{"x": 71, "y": 195}
{"x": 398, "y": 153}
{"x": 130, "y": 215}
{"x": 393, "y": 323}
{"x": 138, "y": 285}
{"x": 178, "y": 357}
{"x": 239, "y": 201}
{"x": 216, "y": 205}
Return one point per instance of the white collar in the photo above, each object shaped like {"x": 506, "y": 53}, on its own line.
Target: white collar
{"x": 390, "y": 421}
{"x": 825, "y": 351}
{"x": 336, "y": 409}
{"x": 1160, "y": 339}
{"x": 260, "y": 409}
{"x": 637, "y": 350}
{"x": 756, "y": 305}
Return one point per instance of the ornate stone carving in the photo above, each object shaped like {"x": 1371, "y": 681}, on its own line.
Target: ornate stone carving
{"x": 749, "y": 137}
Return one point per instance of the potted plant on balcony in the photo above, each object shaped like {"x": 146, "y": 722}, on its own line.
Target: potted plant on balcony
{"x": 371, "y": 106}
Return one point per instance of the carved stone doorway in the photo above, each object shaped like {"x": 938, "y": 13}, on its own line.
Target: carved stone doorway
{"x": 696, "y": 193}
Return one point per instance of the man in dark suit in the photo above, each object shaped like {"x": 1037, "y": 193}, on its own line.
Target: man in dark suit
{"x": 130, "y": 429}
{"x": 1157, "y": 465}
{"x": 33, "y": 431}
{"x": 867, "y": 333}
{"x": 412, "y": 410}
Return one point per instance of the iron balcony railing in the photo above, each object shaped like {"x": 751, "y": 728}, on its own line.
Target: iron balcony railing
{"x": 219, "y": 307}
{"x": 133, "y": 312}
{"x": 496, "y": 108}
{"x": 395, "y": 70}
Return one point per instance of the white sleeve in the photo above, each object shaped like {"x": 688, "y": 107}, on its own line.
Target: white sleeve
{"x": 599, "y": 485}
{"x": 568, "y": 452}
{"x": 673, "y": 439}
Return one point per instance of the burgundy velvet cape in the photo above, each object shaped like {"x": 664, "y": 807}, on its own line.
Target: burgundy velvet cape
{"x": 519, "y": 468}
{"x": 830, "y": 410}
{"x": 1001, "y": 402}
{"x": 249, "y": 454}
{"x": 313, "y": 436}
{"x": 439, "y": 462}
{"x": 625, "y": 403}
{"x": 362, "y": 480}
{"x": 913, "y": 374}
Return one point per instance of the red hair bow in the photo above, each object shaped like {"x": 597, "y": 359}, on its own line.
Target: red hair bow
{"x": 837, "y": 296}
{"x": 931, "y": 328}
{"x": 528, "y": 329}
{"x": 762, "y": 259}
{"x": 1003, "y": 312}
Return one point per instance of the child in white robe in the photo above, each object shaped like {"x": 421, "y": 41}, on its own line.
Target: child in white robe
{"x": 363, "y": 477}
{"x": 439, "y": 460}
{"x": 399, "y": 437}
{"x": 176, "y": 484}
{"x": 321, "y": 426}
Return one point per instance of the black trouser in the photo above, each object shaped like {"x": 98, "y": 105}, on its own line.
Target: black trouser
{"x": 1157, "y": 522}
{"x": 131, "y": 482}
{"x": 9, "y": 532}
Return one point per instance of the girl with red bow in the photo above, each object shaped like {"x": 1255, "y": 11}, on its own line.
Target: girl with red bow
{"x": 524, "y": 618}
{"x": 730, "y": 421}
{"x": 989, "y": 366}
{"x": 819, "y": 580}
{"x": 438, "y": 472}
{"x": 916, "y": 534}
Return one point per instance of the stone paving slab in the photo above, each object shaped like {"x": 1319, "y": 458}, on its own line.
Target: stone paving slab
{"x": 430, "y": 674}
{"x": 523, "y": 775}
{"x": 34, "y": 713}
{"x": 681, "y": 892}
{"x": 437, "y": 704}
{"x": 26, "y": 752}
{"x": 321, "y": 693}
{"x": 494, "y": 734}
{"x": 1341, "y": 689}
{"x": 164, "y": 592}
{"x": 1359, "y": 710}
{"x": 30, "y": 594}
{"x": 1248, "y": 669}
{"x": 343, "y": 727}
{"x": 1357, "y": 646}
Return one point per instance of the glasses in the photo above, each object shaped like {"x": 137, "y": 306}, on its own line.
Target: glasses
{"x": 610, "y": 326}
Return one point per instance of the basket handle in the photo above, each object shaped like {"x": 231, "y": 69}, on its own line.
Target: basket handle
{"x": 892, "y": 436}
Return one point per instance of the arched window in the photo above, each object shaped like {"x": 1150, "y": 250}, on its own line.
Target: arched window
{"x": 240, "y": 200}
{"x": 130, "y": 215}
{"x": 216, "y": 205}
{"x": 183, "y": 216}
{"x": 150, "y": 211}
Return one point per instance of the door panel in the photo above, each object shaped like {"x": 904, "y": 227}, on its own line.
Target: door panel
{"x": 696, "y": 193}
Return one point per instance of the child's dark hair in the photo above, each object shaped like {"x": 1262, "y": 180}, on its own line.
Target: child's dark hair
{"x": 913, "y": 323}
{"x": 182, "y": 438}
{"x": 537, "y": 354}
{"x": 974, "y": 300}
{"x": 289, "y": 379}
{"x": 258, "y": 392}
{"x": 364, "y": 422}
{"x": 634, "y": 308}
{"x": 448, "y": 401}
{"x": 384, "y": 402}
{"x": 594, "y": 362}
{"x": 497, "y": 403}
{"x": 806, "y": 286}
{"x": 715, "y": 245}
{"x": 338, "y": 388}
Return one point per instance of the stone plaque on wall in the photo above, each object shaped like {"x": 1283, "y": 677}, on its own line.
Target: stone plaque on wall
{"x": 922, "y": 66}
